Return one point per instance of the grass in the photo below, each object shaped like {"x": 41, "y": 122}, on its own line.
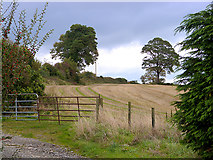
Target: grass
{"x": 103, "y": 96}
{"x": 104, "y": 140}
{"x": 81, "y": 93}
{"x": 111, "y": 137}
{"x": 116, "y": 101}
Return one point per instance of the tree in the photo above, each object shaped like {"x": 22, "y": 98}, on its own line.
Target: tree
{"x": 79, "y": 44}
{"x": 53, "y": 71}
{"x": 194, "y": 115}
{"x": 160, "y": 56}
{"x": 151, "y": 77}
{"x": 19, "y": 43}
{"x": 15, "y": 60}
{"x": 68, "y": 70}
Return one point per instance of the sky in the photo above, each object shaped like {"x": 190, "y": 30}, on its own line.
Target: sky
{"x": 122, "y": 29}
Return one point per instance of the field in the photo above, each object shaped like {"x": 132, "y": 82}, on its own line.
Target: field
{"x": 112, "y": 137}
{"x": 141, "y": 96}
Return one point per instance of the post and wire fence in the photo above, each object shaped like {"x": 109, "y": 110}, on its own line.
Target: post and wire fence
{"x": 54, "y": 108}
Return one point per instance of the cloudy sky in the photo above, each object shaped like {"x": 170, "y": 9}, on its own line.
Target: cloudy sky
{"x": 122, "y": 29}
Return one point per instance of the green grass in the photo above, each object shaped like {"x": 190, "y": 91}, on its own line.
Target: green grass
{"x": 104, "y": 143}
{"x": 81, "y": 93}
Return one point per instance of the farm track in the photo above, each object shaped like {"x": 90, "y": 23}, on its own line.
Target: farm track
{"x": 15, "y": 147}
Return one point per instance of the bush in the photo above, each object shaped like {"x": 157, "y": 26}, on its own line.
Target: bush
{"x": 53, "y": 71}
{"x": 15, "y": 60}
{"x": 133, "y": 82}
{"x": 194, "y": 114}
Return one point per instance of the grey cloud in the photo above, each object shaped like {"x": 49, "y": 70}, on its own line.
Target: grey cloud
{"x": 116, "y": 23}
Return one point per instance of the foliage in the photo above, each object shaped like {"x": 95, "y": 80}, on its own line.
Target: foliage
{"x": 133, "y": 82}
{"x": 68, "y": 70}
{"x": 194, "y": 115}
{"x": 121, "y": 80}
{"x": 31, "y": 81}
{"x": 52, "y": 71}
{"x": 88, "y": 75}
{"x": 151, "y": 77}
{"x": 160, "y": 57}
{"x": 90, "y": 78}
{"x": 23, "y": 33}
{"x": 79, "y": 44}
{"x": 18, "y": 50}
{"x": 15, "y": 60}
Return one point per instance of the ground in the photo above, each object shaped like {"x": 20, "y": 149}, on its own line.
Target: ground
{"x": 19, "y": 147}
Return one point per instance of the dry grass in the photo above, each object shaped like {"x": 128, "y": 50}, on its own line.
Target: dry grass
{"x": 113, "y": 117}
{"x": 145, "y": 96}
{"x": 111, "y": 122}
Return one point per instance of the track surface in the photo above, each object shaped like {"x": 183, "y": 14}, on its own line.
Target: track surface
{"x": 19, "y": 147}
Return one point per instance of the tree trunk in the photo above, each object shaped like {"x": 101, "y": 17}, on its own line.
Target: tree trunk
{"x": 158, "y": 77}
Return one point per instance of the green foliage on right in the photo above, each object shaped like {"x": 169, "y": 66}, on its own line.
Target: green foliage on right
{"x": 194, "y": 115}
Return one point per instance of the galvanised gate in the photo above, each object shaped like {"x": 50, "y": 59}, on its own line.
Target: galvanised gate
{"x": 29, "y": 106}
{"x": 21, "y": 107}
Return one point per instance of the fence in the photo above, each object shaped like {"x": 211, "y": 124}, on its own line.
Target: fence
{"x": 58, "y": 108}
{"x": 32, "y": 107}
{"x": 21, "y": 106}
{"x": 152, "y": 115}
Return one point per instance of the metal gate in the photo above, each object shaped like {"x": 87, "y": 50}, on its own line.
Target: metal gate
{"x": 21, "y": 107}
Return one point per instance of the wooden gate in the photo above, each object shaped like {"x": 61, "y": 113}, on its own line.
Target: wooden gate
{"x": 70, "y": 108}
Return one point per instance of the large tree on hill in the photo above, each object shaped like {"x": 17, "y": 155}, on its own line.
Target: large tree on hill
{"x": 78, "y": 44}
{"x": 194, "y": 116}
{"x": 160, "y": 57}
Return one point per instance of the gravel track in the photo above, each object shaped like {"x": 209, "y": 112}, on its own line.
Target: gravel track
{"x": 19, "y": 147}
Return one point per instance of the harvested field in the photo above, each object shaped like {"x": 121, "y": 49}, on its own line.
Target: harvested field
{"x": 117, "y": 96}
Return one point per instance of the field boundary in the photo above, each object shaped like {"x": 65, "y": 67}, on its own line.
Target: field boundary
{"x": 58, "y": 107}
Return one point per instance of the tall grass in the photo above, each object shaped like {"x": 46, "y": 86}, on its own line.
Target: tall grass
{"x": 114, "y": 123}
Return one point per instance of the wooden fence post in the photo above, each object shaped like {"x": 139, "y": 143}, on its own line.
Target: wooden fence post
{"x": 153, "y": 118}
{"x": 58, "y": 111}
{"x": 129, "y": 114}
{"x": 101, "y": 102}
{"x": 97, "y": 108}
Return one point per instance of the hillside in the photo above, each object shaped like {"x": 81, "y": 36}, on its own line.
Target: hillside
{"x": 117, "y": 96}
